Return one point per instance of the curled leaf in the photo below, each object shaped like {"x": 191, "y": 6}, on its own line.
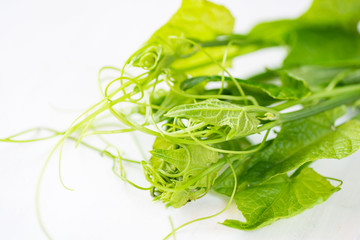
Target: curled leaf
{"x": 176, "y": 172}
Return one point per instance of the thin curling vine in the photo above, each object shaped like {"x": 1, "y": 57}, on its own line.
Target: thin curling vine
{"x": 178, "y": 88}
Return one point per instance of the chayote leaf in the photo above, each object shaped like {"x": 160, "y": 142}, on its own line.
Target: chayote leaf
{"x": 171, "y": 100}
{"x": 298, "y": 142}
{"x": 281, "y": 197}
{"x": 333, "y": 13}
{"x": 219, "y": 113}
{"x": 224, "y": 183}
{"x": 176, "y": 166}
{"x": 304, "y": 141}
{"x": 324, "y": 47}
{"x": 322, "y": 14}
{"x": 290, "y": 87}
{"x": 234, "y": 144}
{"x": 197, "y": 19}
{"x": 319, "y": 77}
{"x": 200, "y": 64}
{"x": 325, "y": 35}
{"x": 200, "y": 21}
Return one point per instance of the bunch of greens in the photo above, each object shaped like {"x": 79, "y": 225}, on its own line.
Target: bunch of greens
{"x": 178, "y": 89}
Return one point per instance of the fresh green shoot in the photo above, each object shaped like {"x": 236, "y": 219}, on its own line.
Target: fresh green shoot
{"x": 202, "y": 132}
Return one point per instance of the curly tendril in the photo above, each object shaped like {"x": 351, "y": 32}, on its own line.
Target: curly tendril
{"x": 147, "y": 57}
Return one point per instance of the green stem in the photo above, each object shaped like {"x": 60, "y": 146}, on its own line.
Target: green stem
{"x": 340, "y": 99}
{"x": 319, "y": 95}
{"x": 235, "y": 41}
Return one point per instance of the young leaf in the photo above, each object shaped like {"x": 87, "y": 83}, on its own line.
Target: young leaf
{"x": 176, "y": 167}
{"x": 219, "y": 113}
{"x": 199, "y": 157}
{"x": 281, "y": 197}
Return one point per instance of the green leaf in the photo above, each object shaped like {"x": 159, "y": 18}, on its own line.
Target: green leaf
{"x": 326, "y": 47}
{"x": 324, "y": 35}
{"x": 290, "y": 87}
{"x": 297, "y": 143}
{"x": 171, "y": 100}
{"x": 160, "y": 143}
{"x": 219, "y": 113}
{"x": 275, "y": 32}
{"x": 234, "y": 144}
{"x": 201, "y": 21}
{"x": 302, "y": 141}
{"x": 200, "y": 64}
{"x": 322, "y": 14}
{"x": 175, "y": 166}
{"x": 197, "y": 19}
{"x": 281, "y": 197}
{"x": 224, "y": 183}
{"x": 337, "y": 13}
{"x": 198, "y": 156}
{"x": 317, "y": 77}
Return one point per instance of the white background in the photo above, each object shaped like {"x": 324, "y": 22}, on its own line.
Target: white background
{"x": 50, "y": 52}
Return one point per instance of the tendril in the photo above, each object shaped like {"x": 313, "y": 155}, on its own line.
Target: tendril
{"x": 228, "y": 97}
{"x": 216, "y": 214}
{"x": 241, "y": 91}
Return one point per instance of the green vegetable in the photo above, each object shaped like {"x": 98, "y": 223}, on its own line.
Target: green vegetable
{"x": 299, "y": 142}
{"x": 177, "y": 88}
{"x": 266, "y": 93}
{"x": 173, "y": 167}
{"x": 219, "y": 113}
{"x": 281, "y": 197}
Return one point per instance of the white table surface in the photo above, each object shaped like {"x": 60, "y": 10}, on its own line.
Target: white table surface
{"x": 50, "y": 52}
